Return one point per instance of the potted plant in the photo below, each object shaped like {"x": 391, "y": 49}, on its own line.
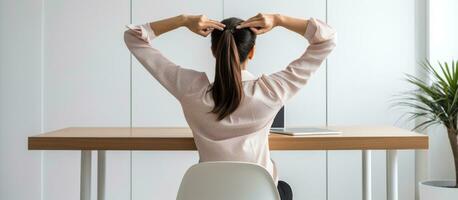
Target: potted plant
{"x": 436, "y": 102}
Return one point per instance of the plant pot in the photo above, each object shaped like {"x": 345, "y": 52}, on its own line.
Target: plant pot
{"x": 438, "y": 189}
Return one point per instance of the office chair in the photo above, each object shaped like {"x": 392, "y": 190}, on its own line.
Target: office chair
{"x": 227, "y": 181}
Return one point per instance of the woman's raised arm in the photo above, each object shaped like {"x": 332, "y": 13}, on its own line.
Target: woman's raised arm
{"x": 262, "y": 23}
{"x": 198, "y": 24}
{"x": 286, "y": 83}
{"x": 175, "y": 79}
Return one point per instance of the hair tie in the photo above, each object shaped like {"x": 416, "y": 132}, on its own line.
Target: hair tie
{"x": 230, "y": 30}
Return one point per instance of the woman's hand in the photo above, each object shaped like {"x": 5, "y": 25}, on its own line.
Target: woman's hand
{"x": 261, "y": 23}
{"x": 201, "y": 25}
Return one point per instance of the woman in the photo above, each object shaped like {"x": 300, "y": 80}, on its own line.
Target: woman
{"x": 231, "y": 117}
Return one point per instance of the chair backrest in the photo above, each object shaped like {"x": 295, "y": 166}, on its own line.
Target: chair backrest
{"x": 227, "y": 181}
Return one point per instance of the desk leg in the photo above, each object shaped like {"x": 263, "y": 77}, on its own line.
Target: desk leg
{"x": 392, "y": 174}
{"x": 367, "y": 175}
{"x": 85, "y": 183}
{"x": 101, "y": 161}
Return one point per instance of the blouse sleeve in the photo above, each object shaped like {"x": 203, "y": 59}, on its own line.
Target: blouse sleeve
{"x": 284, "y": 84}
{"x": 175, "y": 79}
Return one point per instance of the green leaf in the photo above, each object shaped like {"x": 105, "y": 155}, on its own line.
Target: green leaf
{"x": 436, "y": 102}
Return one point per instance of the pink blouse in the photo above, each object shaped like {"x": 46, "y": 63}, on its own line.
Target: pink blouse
{"x": 243, "y": 135}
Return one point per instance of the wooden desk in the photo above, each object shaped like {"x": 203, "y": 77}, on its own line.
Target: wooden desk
{"x": 174, "y": 138}
{"x": 363, "y": 138}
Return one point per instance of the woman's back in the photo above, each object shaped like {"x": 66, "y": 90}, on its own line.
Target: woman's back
{"x": 255, "y": 111}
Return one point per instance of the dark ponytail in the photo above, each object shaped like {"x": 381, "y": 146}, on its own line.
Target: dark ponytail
{"x": 230, "y": 48}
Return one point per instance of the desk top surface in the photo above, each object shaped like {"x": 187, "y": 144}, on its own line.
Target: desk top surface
{"x": 180, "y": 138}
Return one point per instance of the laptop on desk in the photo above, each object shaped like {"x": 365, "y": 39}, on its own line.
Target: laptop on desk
{"x": 278, "y": 126}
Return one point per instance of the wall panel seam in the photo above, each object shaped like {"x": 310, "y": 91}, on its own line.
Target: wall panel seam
{"x": 130, "y": 106}
{"x": 326, "y": 108}
{"x": 42, "y": 15}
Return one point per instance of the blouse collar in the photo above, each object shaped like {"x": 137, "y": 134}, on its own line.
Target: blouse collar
{"x": 246, "y": 75}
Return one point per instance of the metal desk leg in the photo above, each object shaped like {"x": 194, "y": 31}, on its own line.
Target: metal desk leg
{"x": 85, "y": 184}
{"x": 367, "y": 175}
{"x": 392, "y": 174}
{"x": 101, "y": 161}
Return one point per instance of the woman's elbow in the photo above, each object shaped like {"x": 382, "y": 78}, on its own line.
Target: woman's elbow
{"x": 333, "y": 41}
{"x": 127, "y": 37}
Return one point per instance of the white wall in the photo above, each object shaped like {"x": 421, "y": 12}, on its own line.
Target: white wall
{"x": 86, "y": 83}
{"x": 20, "y": 98}
{"x": 443, "y": 47}
{"x": 89, "y": 80}
{"x": 376, "y": 47}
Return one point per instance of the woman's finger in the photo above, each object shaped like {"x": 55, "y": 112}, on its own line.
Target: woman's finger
{"x": 208, "y": 29}
{"x": 201, "y": 33}
{"x": 255, "y": 18}
{"x": 257, "y": 23}
{"x": 258, "y": 31}
{"x": 205, "y": 33}
{"x": 255, "y": 30}
{"x": 261, "y": 31}
{"x": 251, "y": 19}
{"x": 218, "y": 23}
{"x": 258, "y": 16}
{"x": 213, "y": 25}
